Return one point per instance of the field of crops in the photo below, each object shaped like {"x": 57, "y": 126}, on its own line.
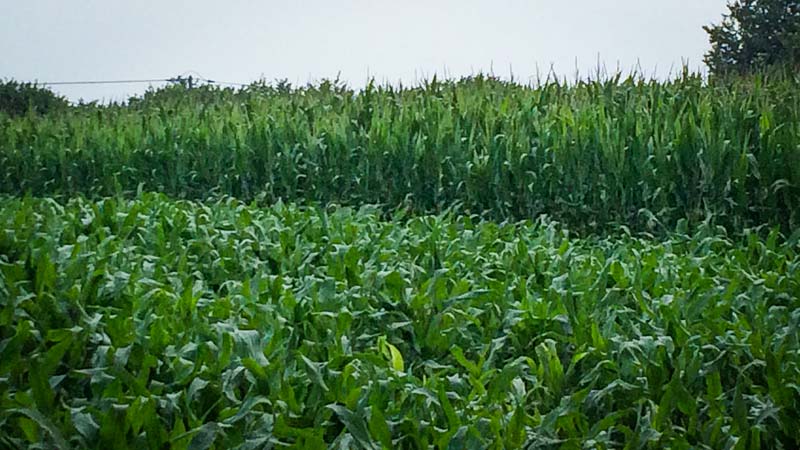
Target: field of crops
{"x": 644, "y": 154}
{"x": 462, "y": 265}
{"x": 153, "y": 320}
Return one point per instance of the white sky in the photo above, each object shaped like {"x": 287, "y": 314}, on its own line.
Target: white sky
{"x": 302, "y": 41}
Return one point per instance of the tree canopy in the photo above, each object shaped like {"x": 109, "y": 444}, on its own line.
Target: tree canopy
{"x": 755, "y": 34}
{"x": 18, "y": 98}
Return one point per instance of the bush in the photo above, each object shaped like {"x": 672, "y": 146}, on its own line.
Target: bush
{"x": 18, "y": 98}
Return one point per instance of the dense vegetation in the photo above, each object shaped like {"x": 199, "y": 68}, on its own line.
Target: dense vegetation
{"x": 317, "y": 267}
{"x": 625, "y": 151}
{"x": 17, "y": 99}
{"x": 754, "y": 35}
{"x": 136, "y": 323}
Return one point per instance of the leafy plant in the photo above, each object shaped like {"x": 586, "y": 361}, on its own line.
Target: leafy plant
{"x": 155, "y": 323}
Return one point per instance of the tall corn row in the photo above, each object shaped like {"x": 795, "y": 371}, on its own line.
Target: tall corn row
{"x": 592, "y": 153}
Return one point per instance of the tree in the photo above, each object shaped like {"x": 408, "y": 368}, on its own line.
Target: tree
{"x": 754, "y": 35}
{"x": 17, "y": 99}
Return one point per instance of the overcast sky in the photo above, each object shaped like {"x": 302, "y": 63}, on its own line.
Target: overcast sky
{"x": 302, "y": 41}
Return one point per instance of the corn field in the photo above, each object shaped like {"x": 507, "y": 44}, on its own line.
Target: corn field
{"x": 643, "y": 154}
{"x": 469, "y": 264}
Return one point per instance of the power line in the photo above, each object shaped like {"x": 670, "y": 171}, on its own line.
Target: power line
{"x": 226, "y": 82}
{"x": 207, "y": 80}
{"x": 154, "y": 80}
{"x": 178, "y": 79}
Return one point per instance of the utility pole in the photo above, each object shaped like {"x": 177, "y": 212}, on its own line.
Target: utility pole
{"x": 186, "y": 82}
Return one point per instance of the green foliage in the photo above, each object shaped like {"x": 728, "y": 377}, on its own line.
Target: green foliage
{"x": 179, "y": 95}
{"x": 18, "y": 99}
{"x": 754, "y": 35}
{"x": 641, "y": 153}
{"x": 154, "y": 323}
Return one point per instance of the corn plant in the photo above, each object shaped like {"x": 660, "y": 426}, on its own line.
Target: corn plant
{"x": 160, "y": 323}
{"x": 644, "y": 154}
